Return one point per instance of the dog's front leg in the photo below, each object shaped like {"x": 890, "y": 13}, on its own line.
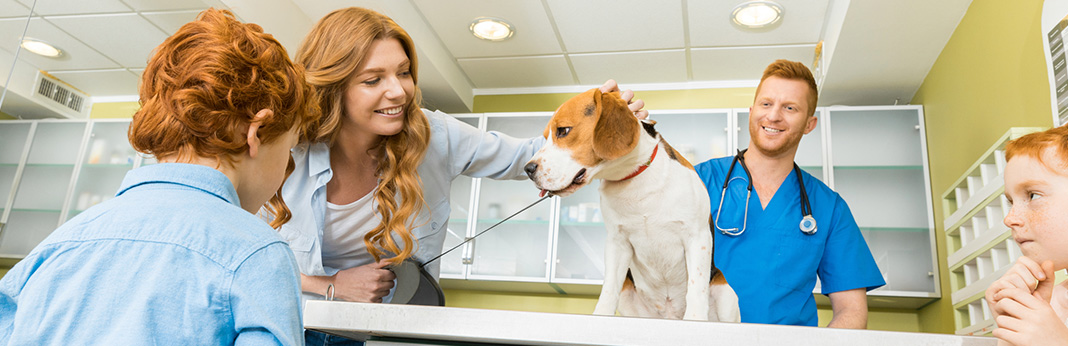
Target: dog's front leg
{"x": 617, "y": 258}
{"x": 698, "y": 269}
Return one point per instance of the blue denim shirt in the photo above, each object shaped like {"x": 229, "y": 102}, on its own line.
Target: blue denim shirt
{"x": 173, "y": 260}
{"x": 455, "y": 148}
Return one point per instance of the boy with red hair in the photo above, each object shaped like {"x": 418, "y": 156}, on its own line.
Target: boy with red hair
{"x": 1030, "y": 309}
{"x": 178, "y": 257}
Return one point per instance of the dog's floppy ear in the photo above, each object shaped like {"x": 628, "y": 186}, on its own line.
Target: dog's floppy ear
{"x": 617, "y": 129}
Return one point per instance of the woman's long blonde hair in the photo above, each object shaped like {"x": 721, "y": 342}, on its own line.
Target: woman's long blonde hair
{"x": 330, "y": 54}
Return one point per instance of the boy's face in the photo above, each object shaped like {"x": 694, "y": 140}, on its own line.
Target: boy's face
{"x": 1039, "y": 214}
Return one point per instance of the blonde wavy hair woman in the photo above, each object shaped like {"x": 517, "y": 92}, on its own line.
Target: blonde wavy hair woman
{"x": 397, "y": 155}
{"x": 371, "y": 184}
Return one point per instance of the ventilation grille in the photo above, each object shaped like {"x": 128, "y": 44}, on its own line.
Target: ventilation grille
{"x": 60, "y": 94}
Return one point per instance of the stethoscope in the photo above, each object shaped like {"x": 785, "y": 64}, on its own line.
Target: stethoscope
{"x": 808, "y": 223}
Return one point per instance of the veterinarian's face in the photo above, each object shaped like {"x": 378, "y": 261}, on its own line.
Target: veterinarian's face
{"x": 779, "y": 116}
{"x": 380, "y": 90}
{"x": 1039, "y": 197}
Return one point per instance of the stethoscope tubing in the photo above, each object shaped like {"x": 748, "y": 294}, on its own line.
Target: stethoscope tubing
{"x": 807, "y": 224}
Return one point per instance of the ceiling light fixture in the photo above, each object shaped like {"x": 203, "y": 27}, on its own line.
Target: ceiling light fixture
{"x": 41, "y": 48}
{"x": 756, "y": 14}
{"x": 491, "y": 29}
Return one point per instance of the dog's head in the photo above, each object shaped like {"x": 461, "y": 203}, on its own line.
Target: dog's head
{"x": 585, "y": 132}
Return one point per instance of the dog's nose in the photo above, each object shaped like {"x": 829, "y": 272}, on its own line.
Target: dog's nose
{"x": 530, "y": 168}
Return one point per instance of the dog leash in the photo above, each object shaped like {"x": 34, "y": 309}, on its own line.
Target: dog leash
{"x": 484, "y": 231}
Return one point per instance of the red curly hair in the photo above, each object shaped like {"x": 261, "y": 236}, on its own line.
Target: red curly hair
{"x": 1037, "y": 144}
{"x": 793, "y": 70}
{"x": 203, "y": 86}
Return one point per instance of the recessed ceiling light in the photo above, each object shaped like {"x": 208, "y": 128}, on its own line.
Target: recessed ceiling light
{"x": 41, "y": 48}
{"x": 491, "y": 29}
{"x": 756, "y": 14}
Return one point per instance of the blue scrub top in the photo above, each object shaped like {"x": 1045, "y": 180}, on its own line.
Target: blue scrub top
{"x": 773, "y": 265}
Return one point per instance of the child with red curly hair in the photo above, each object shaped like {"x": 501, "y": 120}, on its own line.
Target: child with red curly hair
{"x": 1029, "y": 307}
{"x": 178, "y": 257}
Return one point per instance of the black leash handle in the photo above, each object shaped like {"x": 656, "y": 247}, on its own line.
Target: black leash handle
{"x": 484, "y": 231}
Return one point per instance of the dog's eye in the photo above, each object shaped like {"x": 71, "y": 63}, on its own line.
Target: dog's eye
{"x": 562, "y": 132}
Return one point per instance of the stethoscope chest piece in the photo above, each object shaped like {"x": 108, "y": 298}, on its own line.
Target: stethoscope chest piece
{"x": 808, "y": 225}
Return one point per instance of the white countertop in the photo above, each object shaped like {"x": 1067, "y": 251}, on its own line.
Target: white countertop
{"x": 385, "y": 322}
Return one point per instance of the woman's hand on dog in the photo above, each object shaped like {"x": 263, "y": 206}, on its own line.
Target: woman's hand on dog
{"x": 635, "y": 105}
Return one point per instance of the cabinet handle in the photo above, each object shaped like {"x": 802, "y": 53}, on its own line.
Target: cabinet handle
{"x": 469, "y": 260}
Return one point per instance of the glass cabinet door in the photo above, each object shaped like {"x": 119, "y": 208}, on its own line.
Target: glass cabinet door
{"x": 43, "y": 186}
{"x": 460, "y": 199}
{"x": 13, "y": 135}
{"x": 517, "y": 249}
{"x": 697, "y": 135}
{"x": 878, "y": 168}
{"x": 106, "y": 159}
{"x": 580, "y": 238}
{"x": 809, "y": 152}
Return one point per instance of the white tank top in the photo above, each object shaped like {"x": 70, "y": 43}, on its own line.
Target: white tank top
{"x": 343, "y": 231}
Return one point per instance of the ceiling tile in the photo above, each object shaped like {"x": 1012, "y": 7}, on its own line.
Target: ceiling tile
{"x": 518, "y": 72}
{"x": 164, "y": 5}
{"x": 101, "y": 82}
{"x": 743, "y": 63}
{"x": 607, "y": 25}
{"x": 63, "y": 7}
{"x": 710, "y": 24}
{"x": 76, "y": 55}
{"x": 629, "y": 68}
{"x": 13, "y": 9}
{"x": 451, "y": 19}
{"x": 126, "y": 38}
{"x": 170, "y": 22}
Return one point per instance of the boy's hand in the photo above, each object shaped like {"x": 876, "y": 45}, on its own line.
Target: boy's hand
{"x": 1027, "y": 319}
{"x": 1027, "y": 275}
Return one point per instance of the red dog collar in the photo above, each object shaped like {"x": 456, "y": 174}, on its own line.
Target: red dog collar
{"x": 643, "y": 167}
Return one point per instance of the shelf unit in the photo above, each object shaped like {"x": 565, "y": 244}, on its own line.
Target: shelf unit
{"x": 563, "y": 250}
{"x": 51, "y": 170}
{"x": 980, "y": 247}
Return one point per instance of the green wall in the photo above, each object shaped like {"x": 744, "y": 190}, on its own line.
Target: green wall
{"x": 990, "y": 76}
{"x": 878, "y": 319}
{"x": 5, "y": 116}
{"x": 114, "y": 110}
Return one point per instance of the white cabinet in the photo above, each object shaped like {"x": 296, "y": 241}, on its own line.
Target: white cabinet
{"x": 878, "y": 161}
{"x": 980, "y": 247}
{"x": 517, "y": 250}
{"x": 462, "y": 195}
{"x": 106, "y": 158}
{"x": 875, "y": 157}
{"x": 51, "y": 171}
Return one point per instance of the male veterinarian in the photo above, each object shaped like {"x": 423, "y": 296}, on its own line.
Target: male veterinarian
{"x": 768, "y": 253}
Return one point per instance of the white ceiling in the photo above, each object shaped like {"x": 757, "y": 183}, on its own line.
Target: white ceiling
{"x": 875, "y": 52}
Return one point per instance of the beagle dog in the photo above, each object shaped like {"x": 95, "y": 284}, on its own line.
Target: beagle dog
{"x": 658, "y": 256}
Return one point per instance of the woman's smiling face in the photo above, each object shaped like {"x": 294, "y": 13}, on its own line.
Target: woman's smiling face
{"x": 380, "y": 90}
